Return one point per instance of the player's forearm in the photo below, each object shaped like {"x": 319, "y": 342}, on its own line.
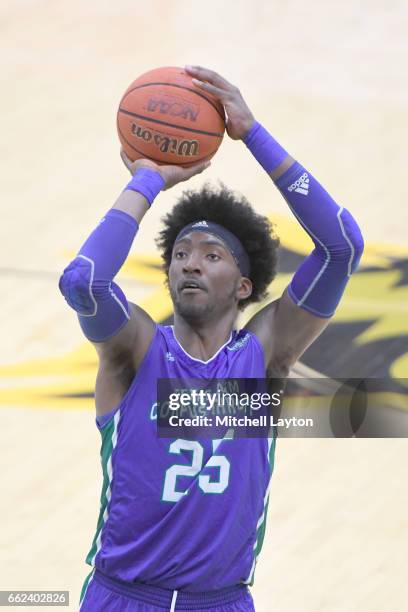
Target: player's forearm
{"x": 318, "y": 284}
{"x": 133, "y": 204}
{"x": 267, "y": 151}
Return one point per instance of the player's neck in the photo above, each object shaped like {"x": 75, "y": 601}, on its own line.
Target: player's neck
{"x": 204, "y": 340}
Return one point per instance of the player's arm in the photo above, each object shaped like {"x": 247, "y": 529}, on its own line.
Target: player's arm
{"x": 121, "y": 332}
{"x": 289, "y": 325}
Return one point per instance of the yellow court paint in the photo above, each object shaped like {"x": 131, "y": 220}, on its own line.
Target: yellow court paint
{"x": 399, "y": 369}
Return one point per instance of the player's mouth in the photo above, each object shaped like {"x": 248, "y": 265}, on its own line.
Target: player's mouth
{"x": 190, "y": 286}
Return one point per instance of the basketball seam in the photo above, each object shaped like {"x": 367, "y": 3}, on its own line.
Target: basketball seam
{"x": 181, "y": 127}
{"x": 198, "y": 93}
{"x": 159, "y": 161}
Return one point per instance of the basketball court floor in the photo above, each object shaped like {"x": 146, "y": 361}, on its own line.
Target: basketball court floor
{"x": 328, "y": 80}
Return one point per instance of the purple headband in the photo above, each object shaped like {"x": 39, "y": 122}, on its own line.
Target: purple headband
{"x": 230, "y": 240}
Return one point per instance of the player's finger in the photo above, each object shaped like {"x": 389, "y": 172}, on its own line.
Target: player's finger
{"x": 196, "y": 169}
{"x": 204, "y": 74}
{"x": 125, "y": 159}
{"x": 216, "y": 91}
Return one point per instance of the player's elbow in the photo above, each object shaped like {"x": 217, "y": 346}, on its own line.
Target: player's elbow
{"x": 358, "y": 246}
{"x": 76, "y": 285}
{"x": 351, "y": 245}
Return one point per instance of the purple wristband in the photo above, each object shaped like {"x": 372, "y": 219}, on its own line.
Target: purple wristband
{"x": 147, "y": 182}
{"x": 264, "y": 147}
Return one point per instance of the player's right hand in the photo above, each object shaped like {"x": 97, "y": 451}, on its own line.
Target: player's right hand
{"x": 239, "y": 117}
{"x": 171, "y": 174}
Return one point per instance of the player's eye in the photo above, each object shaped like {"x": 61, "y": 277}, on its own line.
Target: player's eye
{"x": 213, "y": 256}
{"x": 179, "y": 254}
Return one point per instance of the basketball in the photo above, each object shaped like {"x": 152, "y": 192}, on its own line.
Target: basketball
{"x": 164, "y": 117}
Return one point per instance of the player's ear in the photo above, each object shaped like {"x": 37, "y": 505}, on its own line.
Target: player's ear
{"x": 244, "y": 289}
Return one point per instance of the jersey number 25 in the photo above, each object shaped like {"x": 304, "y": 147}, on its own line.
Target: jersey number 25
{"x": 170, "y": 493}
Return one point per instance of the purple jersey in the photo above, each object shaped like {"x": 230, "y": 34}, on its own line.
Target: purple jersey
{"x": 181, "y": 514}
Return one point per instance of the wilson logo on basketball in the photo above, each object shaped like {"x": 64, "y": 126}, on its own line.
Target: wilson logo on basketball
{"x": 164, "y": 117}
{"x": 173, "y": 106}
{"x": 167, "y": 144}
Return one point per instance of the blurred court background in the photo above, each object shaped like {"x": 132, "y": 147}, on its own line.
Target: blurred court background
{"x": 329, "y": 80}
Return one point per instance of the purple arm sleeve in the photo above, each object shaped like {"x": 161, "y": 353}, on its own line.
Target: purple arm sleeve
{"x": 87, "y": 283}
{"x": 319, "y": 282}
{"x": 266, "y": 150}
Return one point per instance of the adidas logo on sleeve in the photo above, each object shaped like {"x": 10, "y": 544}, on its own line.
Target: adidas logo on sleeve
{"x": 301, "y": 185}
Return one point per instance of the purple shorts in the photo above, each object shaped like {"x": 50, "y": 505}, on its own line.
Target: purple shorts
{"x": 102, "y": 593}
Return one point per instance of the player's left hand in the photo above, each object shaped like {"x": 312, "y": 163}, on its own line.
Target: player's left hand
{"x": 239, "y": 117}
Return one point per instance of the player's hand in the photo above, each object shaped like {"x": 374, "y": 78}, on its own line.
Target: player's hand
{"x": 239, "y": 117}
{"x": 171, "y": 174}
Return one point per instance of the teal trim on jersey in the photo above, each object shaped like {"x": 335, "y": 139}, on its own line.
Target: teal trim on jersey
{"x": 261, "y": 532}
{"x": 261, "y": 526}
{"x": 109, "y": 438}
{"x": 85, "y": 587}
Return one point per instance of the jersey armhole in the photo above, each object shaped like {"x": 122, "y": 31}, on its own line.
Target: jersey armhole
{"x": 103, "y": 420}
{"x": 257, "y": 343}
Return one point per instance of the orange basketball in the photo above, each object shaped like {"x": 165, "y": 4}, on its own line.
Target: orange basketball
{"x": 163, "y": 116}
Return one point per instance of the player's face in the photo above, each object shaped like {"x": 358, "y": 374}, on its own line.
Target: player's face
{"x": 204, "y": 279}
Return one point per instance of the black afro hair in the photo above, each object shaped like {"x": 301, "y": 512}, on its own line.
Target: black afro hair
{"x": 222, "y": 206}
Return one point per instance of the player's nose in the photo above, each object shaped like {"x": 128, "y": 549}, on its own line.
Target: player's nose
{"x": 192, "y": 263}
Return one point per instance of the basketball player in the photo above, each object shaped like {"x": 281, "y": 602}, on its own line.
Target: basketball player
{"x": 173, "y": 532}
